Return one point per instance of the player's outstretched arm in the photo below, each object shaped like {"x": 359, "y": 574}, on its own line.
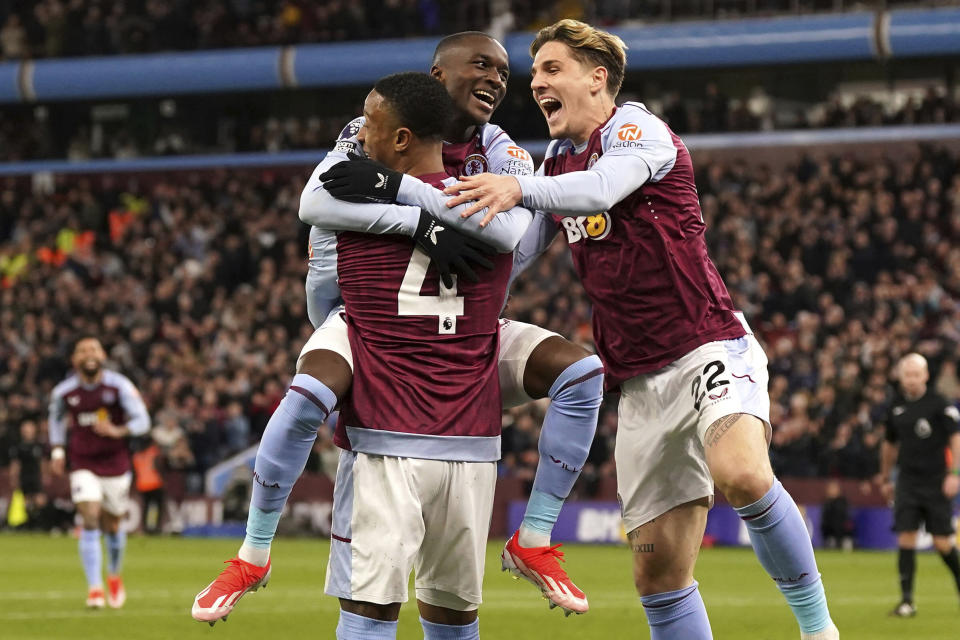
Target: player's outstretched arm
{"x": 599, "y": 188}
{"x": 504, "y": 233}
{"x": 451, "y": 249}
{"x": 366, "y": 181}
{"x": 321, "y": 209}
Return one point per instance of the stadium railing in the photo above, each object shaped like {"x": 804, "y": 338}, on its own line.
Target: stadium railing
{"x": 806, "y": 39}
{"x": 311, "y": 157}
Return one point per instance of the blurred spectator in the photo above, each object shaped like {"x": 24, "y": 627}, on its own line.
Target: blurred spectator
{"x": 195, "y": 282}
{"x": 236, "y": 428}
{"x": 26, "y": 464}
{"x": 147, "y": 467}
{"x": 836, "y": 525}
{"x": 13, "y": 39}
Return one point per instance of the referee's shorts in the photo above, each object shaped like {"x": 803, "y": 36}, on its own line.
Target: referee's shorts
{"x": 917, "y": 502}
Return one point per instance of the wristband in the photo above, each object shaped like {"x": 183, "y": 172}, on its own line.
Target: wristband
{"x": 954, "y": 472}
{"x": 57, "y": 453}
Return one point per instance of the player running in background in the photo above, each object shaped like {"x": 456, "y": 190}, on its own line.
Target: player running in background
{"x": 694, "y": 408}
{"x": 921, "y": 424}
{"x": 533, "y": 362}
{"x": 93, "y": 413}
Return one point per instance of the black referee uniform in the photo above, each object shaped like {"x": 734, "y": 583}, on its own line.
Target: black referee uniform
{"x": 30, "y": 456}
{"x": 922, "y": 430}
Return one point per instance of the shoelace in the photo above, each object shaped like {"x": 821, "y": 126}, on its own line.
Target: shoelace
{"x": 541, "y": 561}
{"x": 236, "y": 577}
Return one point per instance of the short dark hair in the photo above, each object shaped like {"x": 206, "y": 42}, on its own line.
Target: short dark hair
{"x": 80, "y": 338}
{"x": 420, "y": 102}
{"x": 455, "y": 39}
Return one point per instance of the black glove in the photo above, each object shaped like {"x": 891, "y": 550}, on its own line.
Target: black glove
{"x": 450, "y": 250}
{"x": 361, "y": 180}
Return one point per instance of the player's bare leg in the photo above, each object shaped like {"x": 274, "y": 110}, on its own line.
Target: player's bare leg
{"x": 664, "y": 554}
{"x": 367, "y": 620}
{"x": 116, "y": 539}
{"x": 573, "y": 379}
{"x": 322, "y": 378}
{"x": 736, "y": 451}
{"x": 91, "y": 554}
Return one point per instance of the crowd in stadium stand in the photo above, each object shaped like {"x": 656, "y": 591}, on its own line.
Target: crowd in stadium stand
{"x": 195, "y": 285}
{"x": 62, "y": 28}
{"x": 31, "y": 134}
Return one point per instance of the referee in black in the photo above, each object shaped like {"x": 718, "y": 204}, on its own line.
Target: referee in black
{"x": 921, "y": 427}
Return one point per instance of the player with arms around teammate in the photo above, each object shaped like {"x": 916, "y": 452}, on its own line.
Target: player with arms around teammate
{"x": 92, "y": 414}
{"x": 420, "y": 426}
{"x": 533, "y": 362}
{"x": 420, "y": 431}
{"x": 921, "y": 425}
{"x": 694, "y": 410}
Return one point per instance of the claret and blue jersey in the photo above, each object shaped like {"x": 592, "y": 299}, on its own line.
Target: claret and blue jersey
{"x": 425, "y": 358}
{"x": 632, "y": 219}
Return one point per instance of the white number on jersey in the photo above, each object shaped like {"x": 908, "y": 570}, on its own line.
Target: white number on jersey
{"x": 446, "y": 306}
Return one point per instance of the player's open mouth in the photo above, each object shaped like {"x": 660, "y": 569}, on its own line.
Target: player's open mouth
{"x": 550, "y": 107}
{"x": 486, "y": 98}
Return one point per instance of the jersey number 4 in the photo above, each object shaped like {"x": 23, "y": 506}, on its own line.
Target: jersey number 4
{"x": 446, "y": 306}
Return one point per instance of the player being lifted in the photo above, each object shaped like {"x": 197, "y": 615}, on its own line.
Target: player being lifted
{"x": 420, "y": 429}
{"x": 93, "y": 413}
{"x": 533, "y": 363}
{"x": 694, "y": 408}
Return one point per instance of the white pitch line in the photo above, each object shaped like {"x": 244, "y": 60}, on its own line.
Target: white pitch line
{"x": 500, "y": 601}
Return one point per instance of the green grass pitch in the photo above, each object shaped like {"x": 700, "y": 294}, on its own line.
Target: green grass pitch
{"x": 42, "y": 593}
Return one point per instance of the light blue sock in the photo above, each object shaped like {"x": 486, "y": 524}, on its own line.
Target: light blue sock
{"x": 354, "y": 627}
{"x": 91, "y": 555}
{"x": 434, "y": 631}
{"x": 782, "y": 543}
{"x": 565, "y": 439}
{"x": 116, "y": 544}
{"x": 284, "y": 449}
{"x": 677, "y": 615}
{"x": 261, "y": 527}
{"x": 542, "y": 513}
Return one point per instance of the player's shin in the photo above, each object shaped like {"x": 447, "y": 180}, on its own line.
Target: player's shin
{"x": 435, "y": 631}
{"x": 677, "y": 614}
{"x": 782, "y": 544}
{"x": 91, "y": 555}
{"x": 282, "y": 455}
{"x": 907, "y": 568}
{"x": 354, "y": 627}
{"x": 116, "y": 545}
{"x": 565, "y": 439}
